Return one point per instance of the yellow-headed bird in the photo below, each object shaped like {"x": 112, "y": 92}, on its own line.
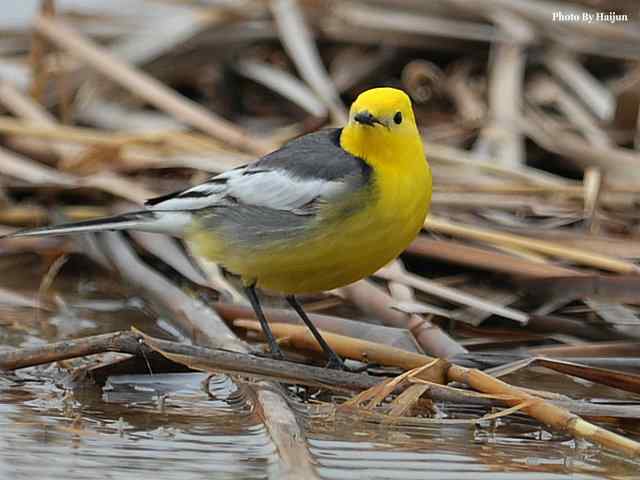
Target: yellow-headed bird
{"x": 325, "y": 210}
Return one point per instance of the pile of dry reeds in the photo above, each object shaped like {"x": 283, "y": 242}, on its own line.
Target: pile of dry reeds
{"x": 529, "y": 257}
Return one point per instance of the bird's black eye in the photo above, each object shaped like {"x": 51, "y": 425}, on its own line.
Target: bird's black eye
{"x": 397, "y": 118}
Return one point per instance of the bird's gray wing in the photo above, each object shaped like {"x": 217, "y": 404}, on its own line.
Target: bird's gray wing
{"x": 295, "y": 178}
{"x": 273, "y": 198}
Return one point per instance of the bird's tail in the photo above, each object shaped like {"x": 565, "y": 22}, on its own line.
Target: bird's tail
{"x": 169, "y": 222}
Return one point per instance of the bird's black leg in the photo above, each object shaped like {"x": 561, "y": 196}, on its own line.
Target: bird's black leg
{"x": 276, "y": 352}
{"x": 334, "y": 360}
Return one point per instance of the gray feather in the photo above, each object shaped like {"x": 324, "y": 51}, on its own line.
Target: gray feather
{"x": 172, "y": 223}
{"x": 305, "y": 171}
{"x": 317, "y": 155}
{"x": 247, "y": 225}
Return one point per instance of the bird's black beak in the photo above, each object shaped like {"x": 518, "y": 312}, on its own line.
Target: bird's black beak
{"x": 366, "y": 118}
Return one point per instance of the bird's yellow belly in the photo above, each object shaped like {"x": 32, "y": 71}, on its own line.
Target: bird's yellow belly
{"x": 336, "y": 250}
{"x": 345, "y": 254}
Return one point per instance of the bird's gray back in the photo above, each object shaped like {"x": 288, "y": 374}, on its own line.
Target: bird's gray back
{"x": 317, "y": 155}
{"x": 295, "y": 178}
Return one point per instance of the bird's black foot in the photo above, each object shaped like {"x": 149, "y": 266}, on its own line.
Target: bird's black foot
{"x": 275, "y": 351}
{"x": 336, "y": 363}
{"x": 276, "y": 354}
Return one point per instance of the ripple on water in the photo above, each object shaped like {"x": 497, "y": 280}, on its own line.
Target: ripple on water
{"x": 345, "y": 446}
{"x": 47, "y": 434}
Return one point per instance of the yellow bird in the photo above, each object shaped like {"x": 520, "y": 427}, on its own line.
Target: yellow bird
{"x": 325, "y": 210}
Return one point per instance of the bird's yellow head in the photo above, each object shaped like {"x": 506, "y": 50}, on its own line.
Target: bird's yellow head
{"x": 382, "y": 107}
{"x": 381, "y": 124}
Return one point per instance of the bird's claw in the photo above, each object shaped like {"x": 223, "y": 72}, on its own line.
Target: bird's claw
{"x": 273, "y": 355}
{"x": 336, "y": 363}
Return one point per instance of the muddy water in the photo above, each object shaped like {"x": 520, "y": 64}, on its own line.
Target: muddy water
{"x": 166, "y": 426}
